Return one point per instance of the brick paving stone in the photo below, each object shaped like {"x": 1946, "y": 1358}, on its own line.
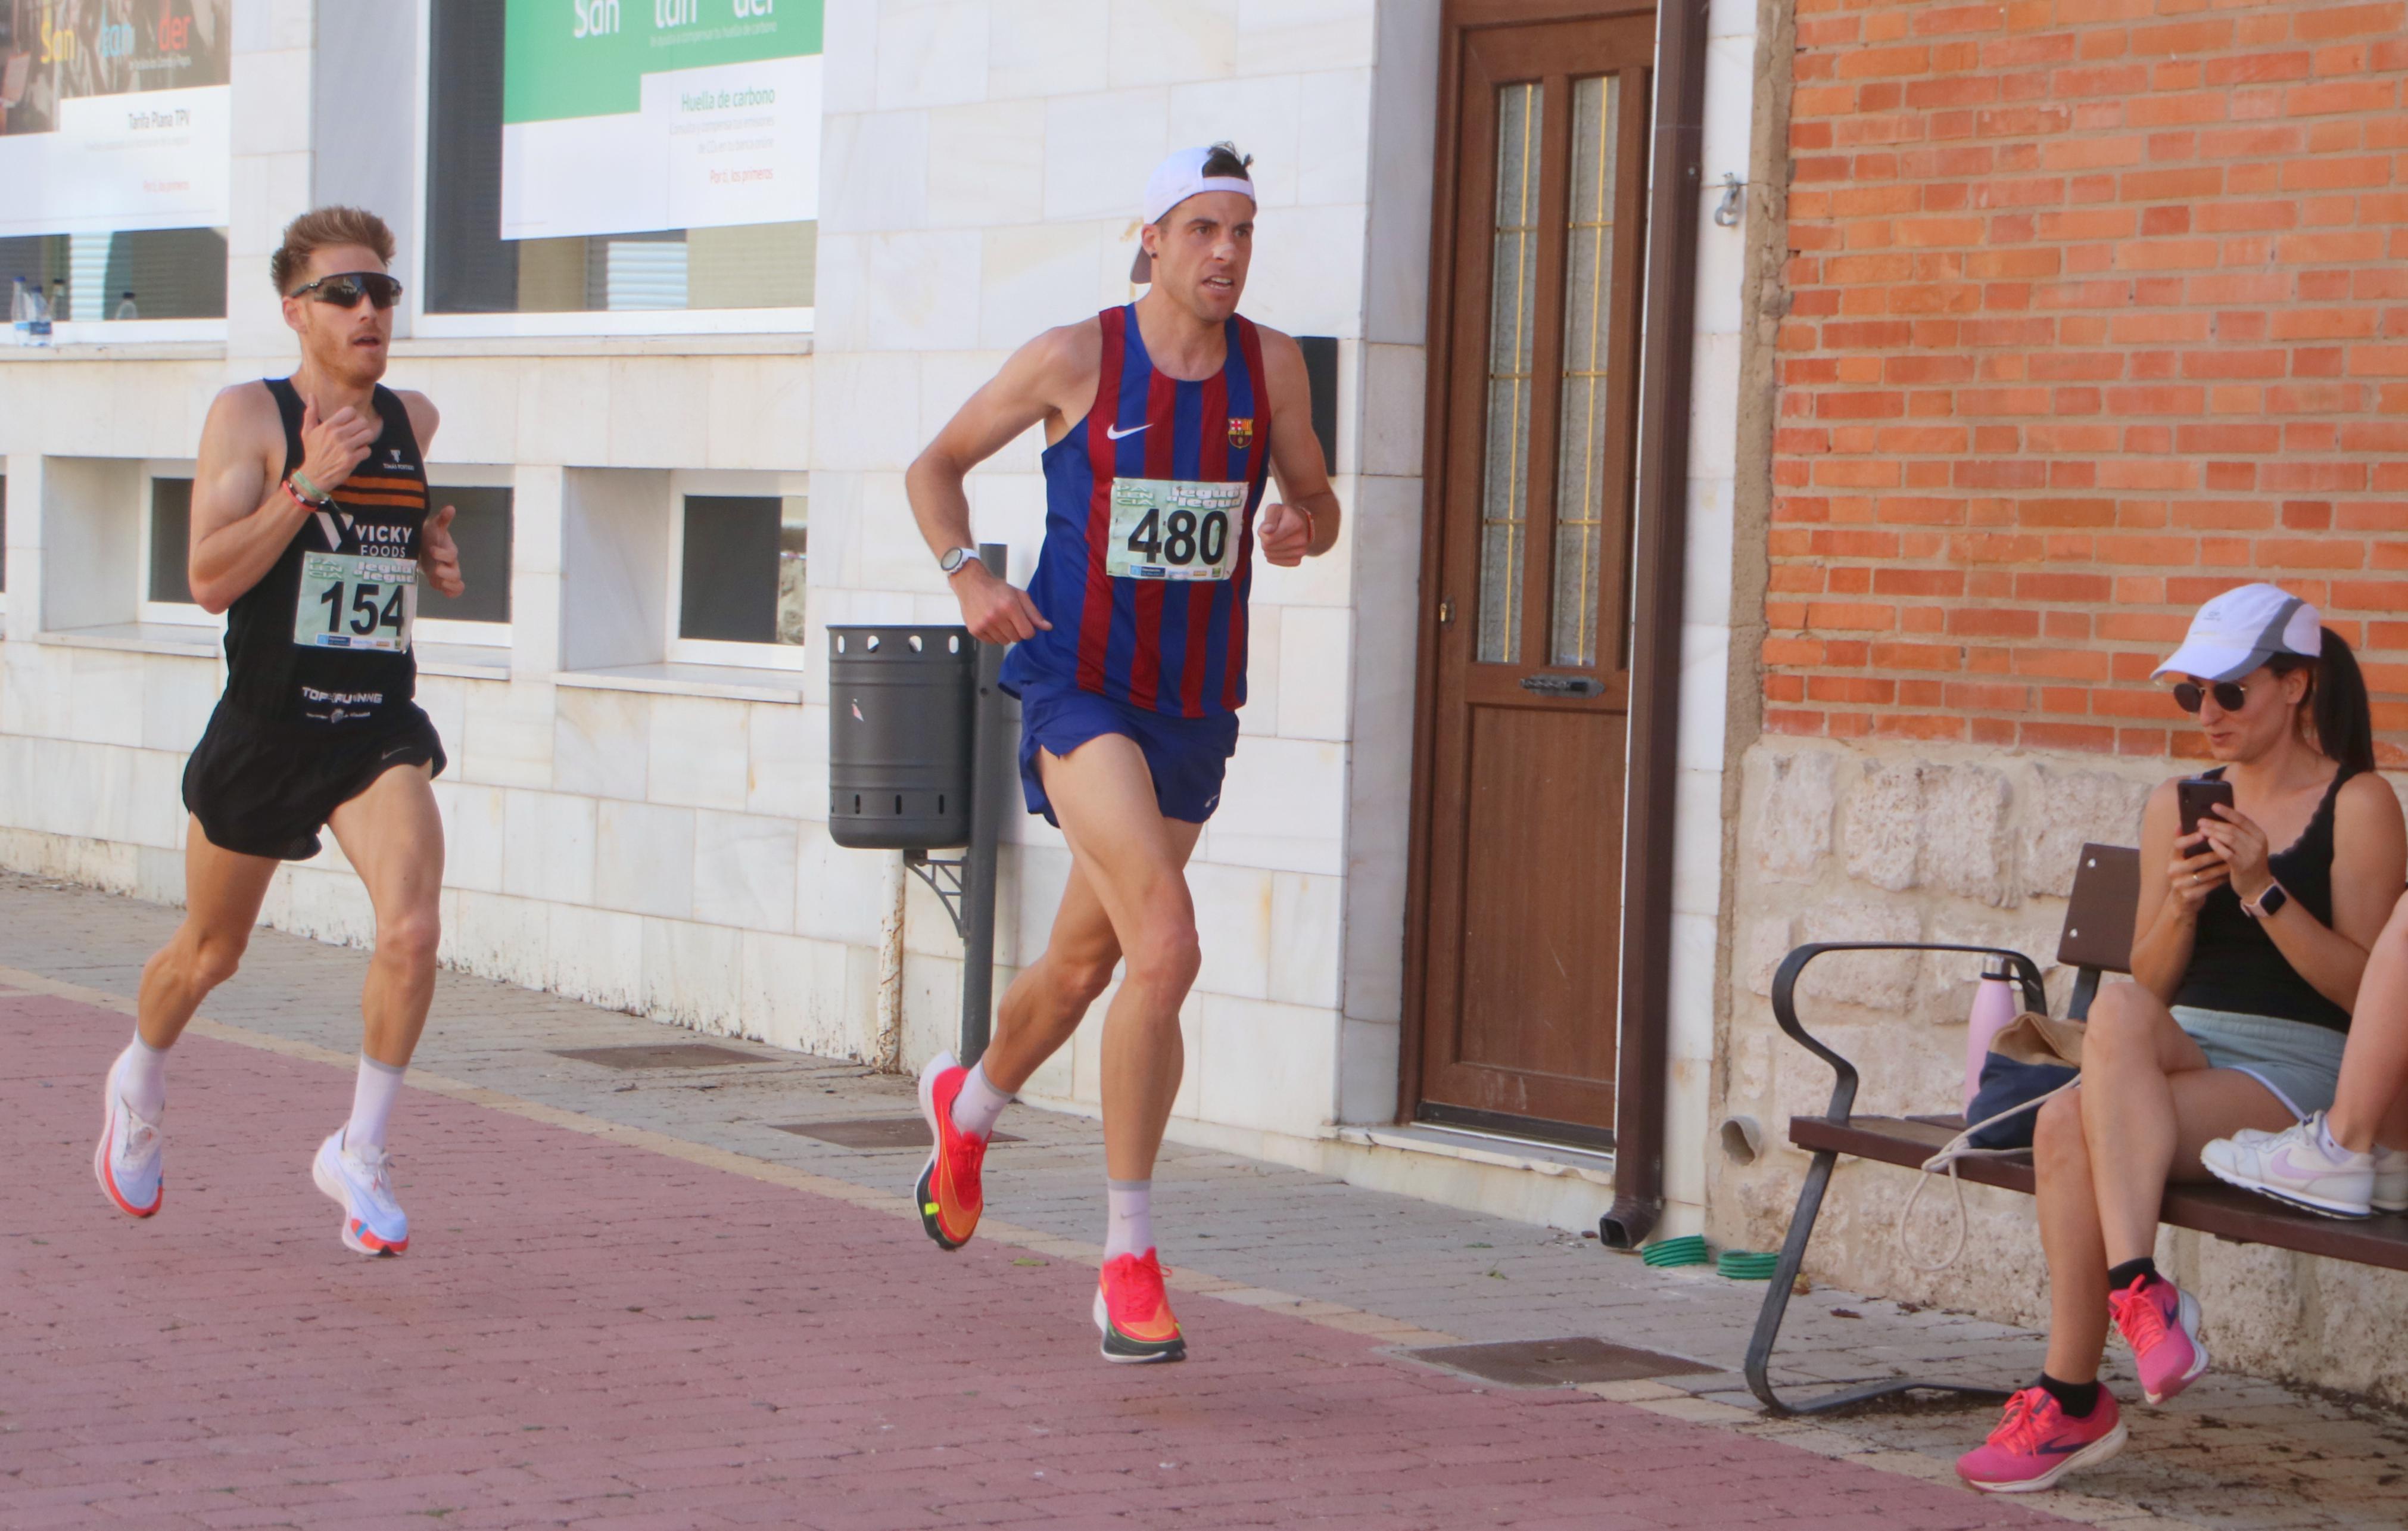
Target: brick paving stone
{"x": 633, "y": 1332}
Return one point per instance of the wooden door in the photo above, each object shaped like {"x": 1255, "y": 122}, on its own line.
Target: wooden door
{"x": 1527, "y": 685}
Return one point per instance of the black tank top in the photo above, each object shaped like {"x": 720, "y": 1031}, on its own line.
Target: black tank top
{"x": 2235, "y": 965}
{"x": 323, "y": 639}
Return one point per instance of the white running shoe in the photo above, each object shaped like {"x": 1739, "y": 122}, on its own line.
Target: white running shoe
{"x": 2295, "y": 1166}
{"x": 2391, "y": 1179}
{"x": 373, "y": 1222}
{"x": 126, "y": 1161}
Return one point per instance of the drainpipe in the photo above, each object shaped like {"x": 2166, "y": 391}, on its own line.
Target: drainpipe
{"x": 1641, "y": 1075}
{"x": 886, "y": 1047}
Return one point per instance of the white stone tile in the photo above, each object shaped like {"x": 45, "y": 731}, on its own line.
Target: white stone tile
{"x": 1100, "y": 149}
{"x": 1713, "y": 415}
{"x": 507, "y": 736}
{"x": 840, "y": 316}
{"x": 565, "y": 411}
{"x": 1265, "y": 657}
{"x": 1270, "y": 1066}
{"x": 932, "y": 53}
{"x": 155, "y": 807}
{"x": 37, "y": 682}
{"x": 548, "y": 846}
{"x": 924, "y": 290}
{"x": 840, "y": 894}
{"x": 1316, "y": 671}
{"x": 1705, "y": 677}
{"x": 1279, "y": 36}
{"x": 1154, "y": 43}
{"x": 1048, "y": 48}
{"x": 795, "y": 994}
{"x": 986, "y": 164}
{"x": 474, "y": 830}
{"x": 1707, "y": 552}
{"x": 1233, "y": 925}
{"x": 854, "y": 422}
{"x": 849, "y": 47}
{"x": 1283, "y": 807}
{"x": 1698, "y": 830}
{"x": 1036, "y": 277}
{"x": 692, "y": 973}
{"x": 1259, "y": 114}
{"x": 1374, "y": 925}
{"x": 876, "y": 175}
{"x": 1307, "y": 277}
{"x": 1188, "y": 1101}
{"x": 1305, "y": 929}
{"x": 445, "y": 702}
{"x": 597, "y": 956}
{"x": 643, "y": 859}
{"x": 744, "y": 871}
{"x": 501, "y": 938}
{"x": 270, "y": 102}
{"x": 479, "y": 403}
{"x": 659, "y": 413}
{"x": 777, "y": 778}
{"x": 105, "y": 703}
{"x": 700, "y": 753}
{"x": 1368, "y": 1064}
{"x": 1396, "y": 397}
{"x": 177, "y": 696}
{"x": 761, "y": 414}
{"x": 1691, "y": 1002}
{"x": 1334, "y": 138}
{"x": 1041, "y": 874}
{"x": 601, "y": 742}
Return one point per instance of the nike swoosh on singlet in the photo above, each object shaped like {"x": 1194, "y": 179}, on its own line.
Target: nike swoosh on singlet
{"x": 1113, "y": 433}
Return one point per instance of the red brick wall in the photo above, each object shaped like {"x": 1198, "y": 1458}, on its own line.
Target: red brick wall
{"x": 2097, "y": 306}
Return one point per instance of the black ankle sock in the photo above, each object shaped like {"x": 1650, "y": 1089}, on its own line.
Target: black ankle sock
{"x": 2120, "y": 1278}
{"x": 2076, "y": 1399}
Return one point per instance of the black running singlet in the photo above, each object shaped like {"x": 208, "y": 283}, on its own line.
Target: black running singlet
{"x": 323, "y": 639}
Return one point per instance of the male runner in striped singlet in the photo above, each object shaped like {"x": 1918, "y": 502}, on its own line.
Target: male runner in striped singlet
{"x": 310, "y": 532}
{"x": 1163, "y": 420}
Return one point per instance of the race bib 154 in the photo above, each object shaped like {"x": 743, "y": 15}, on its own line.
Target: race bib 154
{"x": 349, "y": 601}
{"x": 1174, "y": 529}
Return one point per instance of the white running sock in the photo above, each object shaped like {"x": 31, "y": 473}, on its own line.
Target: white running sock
{"x": 142, "y": 1078}
{"x": 372, "y": 1098}
{"x": 979, "y": 1104}
{"x": 1130, "y": 1230}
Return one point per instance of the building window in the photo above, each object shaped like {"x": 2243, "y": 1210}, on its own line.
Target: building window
{"x": 741, "y": 566}
{"x": 570, "y": 171}
{"x": 171, "y": 540}
{"x": 104, "y": 233}
{"x": 481, "y": 528}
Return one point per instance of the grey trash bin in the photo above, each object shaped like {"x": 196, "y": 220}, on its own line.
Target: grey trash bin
{"x": 901, "y": 704}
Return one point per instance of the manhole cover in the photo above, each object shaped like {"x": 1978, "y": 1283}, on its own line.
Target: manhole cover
{"x": 1554, "y": 1362}
{"x": 873, "y": 1132}
{"x": 662, "y": 1055}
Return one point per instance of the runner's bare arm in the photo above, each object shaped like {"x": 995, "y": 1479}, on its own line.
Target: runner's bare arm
{"x": 1305, "y": 519}
{"x": 438, "y": 556}
{"x": 1039, "y": 383}
{"x": 242, "y": 518}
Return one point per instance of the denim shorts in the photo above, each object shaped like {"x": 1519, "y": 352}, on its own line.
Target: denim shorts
{"x": 1187, "y": 756}
{"x": 2300, "y": 1062}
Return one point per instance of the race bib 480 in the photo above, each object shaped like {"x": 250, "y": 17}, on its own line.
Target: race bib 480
{"x": 348, "y": 601}
{"x": 1174, "y": 529}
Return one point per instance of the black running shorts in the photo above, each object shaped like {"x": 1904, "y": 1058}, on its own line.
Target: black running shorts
{"x": 263, "y": 789}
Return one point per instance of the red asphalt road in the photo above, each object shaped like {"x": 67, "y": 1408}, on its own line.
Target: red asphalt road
{"x": 587, "y": 1333}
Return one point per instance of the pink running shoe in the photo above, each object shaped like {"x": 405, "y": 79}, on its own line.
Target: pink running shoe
{"x": 2161, "y": 1324}
{"x": 2037, "y": 1443}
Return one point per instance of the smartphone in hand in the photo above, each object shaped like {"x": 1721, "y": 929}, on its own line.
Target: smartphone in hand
{"x": 2194, "y": 797}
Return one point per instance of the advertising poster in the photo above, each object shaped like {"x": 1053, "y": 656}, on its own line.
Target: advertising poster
{"x": 628, "y": 116}
{"x": 115, "y": 115}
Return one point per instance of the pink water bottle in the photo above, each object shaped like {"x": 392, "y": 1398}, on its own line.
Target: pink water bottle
{"x": 1996, "y": 1004}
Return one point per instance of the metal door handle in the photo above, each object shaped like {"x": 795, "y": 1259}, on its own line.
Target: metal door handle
{"x": 1564, "y": 685}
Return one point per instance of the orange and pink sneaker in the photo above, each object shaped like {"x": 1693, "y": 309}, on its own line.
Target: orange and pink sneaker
{"x": 2037, "y": 1443}
{"x": 2161, "y": 1324}
{"x": 1134, "y": 1313}
{"x": 949, "y": 1194}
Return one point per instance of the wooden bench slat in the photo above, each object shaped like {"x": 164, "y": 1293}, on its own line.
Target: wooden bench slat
{"x": 2218, "y": 1210}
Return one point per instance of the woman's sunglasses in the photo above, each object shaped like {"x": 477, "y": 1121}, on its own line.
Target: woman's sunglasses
{"x": 2230, "y": 695}
{"x": 344, "y": 289}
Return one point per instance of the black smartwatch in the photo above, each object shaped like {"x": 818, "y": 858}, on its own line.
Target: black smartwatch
{"x": 2267, "y": 904}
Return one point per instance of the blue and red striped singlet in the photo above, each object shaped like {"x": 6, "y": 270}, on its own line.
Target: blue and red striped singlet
{"x": 1150, "y": 532}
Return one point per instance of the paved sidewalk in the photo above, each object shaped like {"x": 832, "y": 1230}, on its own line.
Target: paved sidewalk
{"x": 666, "y": 1308}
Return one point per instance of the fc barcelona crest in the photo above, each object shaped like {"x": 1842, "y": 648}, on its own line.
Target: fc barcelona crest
{"x": 1241, "y": 432}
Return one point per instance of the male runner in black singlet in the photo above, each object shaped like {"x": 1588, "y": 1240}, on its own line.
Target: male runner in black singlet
{"x": 310, "y": 531}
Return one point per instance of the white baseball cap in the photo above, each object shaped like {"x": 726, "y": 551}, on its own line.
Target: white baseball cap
{"x": 1180, "y": 176}
{"x": 2243, "y": 629}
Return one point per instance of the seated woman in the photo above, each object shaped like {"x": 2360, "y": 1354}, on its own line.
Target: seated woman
{"x": 2351, "y": 1161}
{"x": 2246, "y": 960}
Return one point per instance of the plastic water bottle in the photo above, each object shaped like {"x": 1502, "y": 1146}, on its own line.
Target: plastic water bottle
{"x": 1996, "y": 1004}
{"x": 19, "y": 322}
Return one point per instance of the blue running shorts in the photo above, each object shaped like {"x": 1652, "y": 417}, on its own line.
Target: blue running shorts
{"x": 1187, "y": 756}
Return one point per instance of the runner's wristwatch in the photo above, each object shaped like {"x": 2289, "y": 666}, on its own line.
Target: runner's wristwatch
{"x": 952, "y": 559}
{"x": 2268, "y": 904}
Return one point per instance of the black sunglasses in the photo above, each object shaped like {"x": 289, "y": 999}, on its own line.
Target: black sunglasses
{"x": 344, "y": 289}
{"x": 2230, "y": 695}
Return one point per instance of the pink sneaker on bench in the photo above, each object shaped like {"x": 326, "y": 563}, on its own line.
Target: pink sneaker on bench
{"x": 2161, "y": 1324}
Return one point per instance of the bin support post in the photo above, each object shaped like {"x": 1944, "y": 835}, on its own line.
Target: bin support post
{"x": 986, "y": 813}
